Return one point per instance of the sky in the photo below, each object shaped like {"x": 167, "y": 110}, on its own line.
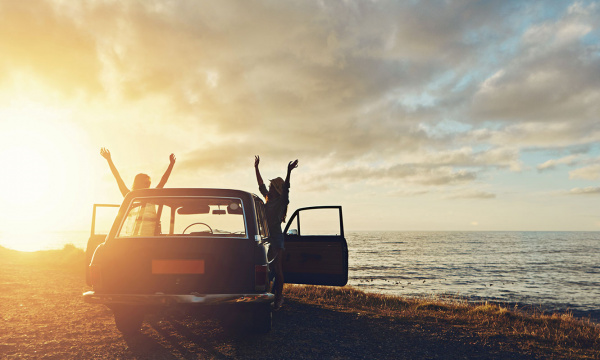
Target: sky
{"x": 412, "y": 115}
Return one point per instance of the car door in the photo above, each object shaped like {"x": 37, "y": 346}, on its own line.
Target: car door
{"x": 313, "y": 258}
{"x": 106, "y": 218}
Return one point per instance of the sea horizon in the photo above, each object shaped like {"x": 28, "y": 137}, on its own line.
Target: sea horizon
{"x": 29, "y": 241}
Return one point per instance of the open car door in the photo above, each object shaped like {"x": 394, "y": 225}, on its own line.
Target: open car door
{"x": 106, "y": 219}
{"x": 315, "y": 259}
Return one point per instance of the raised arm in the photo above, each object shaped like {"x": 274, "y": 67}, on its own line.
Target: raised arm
{"x": 122, "y": 187}
{"x": 167, "y": 173}
{"x": 291, "y": 166}
{"x": 258, "y": 177}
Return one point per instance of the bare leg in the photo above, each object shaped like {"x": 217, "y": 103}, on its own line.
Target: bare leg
{"x": 279, "y": 281}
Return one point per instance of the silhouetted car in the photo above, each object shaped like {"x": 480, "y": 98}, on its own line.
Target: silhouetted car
{"x": 194, "y": 248}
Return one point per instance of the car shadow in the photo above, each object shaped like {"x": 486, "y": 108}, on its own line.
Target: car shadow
{"x": 145, "y": 346}
{"x": 302, "y": 331}
{"x": 176, "y": 338}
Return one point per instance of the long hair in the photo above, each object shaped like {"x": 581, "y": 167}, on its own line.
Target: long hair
{"x": 141, "y": 181}
{"x": 275, "y": 192}
{"x": 284, "y": 210}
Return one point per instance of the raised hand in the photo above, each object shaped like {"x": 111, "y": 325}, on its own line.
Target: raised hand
{"x": 258, "y": 177}
{"x": 122, "y": 187}
{"x": 105, "y": 153}
{"x": 292, "y": 165}
{"x": 165, "y": 177}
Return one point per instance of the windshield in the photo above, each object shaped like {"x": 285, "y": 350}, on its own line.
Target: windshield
{"x": 184, "y": 216}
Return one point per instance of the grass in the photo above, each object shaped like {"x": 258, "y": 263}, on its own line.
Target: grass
{"x": 560, "y": 333}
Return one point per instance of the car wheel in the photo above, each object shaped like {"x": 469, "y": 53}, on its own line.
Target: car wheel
{"x": 128, "y": 319}
{"x": 262, "y": 318}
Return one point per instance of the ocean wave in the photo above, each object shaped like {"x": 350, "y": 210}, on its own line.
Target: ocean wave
{"x": 549, "y": 269}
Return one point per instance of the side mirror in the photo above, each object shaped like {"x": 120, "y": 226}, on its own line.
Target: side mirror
{"x": 292, "y": 232}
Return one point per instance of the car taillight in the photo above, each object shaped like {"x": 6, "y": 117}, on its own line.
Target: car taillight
{"x": 260, "y": 277}
{"x": 96, "y": 276}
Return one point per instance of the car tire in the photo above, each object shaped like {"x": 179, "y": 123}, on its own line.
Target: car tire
{"x": 128, "y": 319}
{"x": 262, "y": 318}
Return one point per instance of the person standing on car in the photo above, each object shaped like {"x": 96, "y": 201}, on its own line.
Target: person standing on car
{"x": 146, "y": 222}
{"x": 141, "y": 181}
{"x": 277, "y": 200}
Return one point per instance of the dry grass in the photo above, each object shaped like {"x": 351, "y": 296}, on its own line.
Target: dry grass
{"x": 531, "y": 329}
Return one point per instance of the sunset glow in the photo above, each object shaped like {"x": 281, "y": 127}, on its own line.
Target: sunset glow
{"x": 44, "y": 158}
{"x": 412, "y": 116}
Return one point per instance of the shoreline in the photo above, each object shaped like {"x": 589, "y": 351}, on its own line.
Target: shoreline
{"x": 70, "y": 253}
{"x": 44, "y": 316}
{"x": 542, "y": 309}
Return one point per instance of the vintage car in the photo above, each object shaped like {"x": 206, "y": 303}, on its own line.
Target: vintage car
{"x": 197, "y": 248}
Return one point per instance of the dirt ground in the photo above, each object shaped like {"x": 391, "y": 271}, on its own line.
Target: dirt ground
{"x": 42, "y": 316}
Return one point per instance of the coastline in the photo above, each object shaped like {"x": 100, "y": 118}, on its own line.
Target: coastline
{"x": 43, "y": 315}
{"x": 553, "y": 271}
{"x": 510, "y": 268}
{"x": 70, "y": 253}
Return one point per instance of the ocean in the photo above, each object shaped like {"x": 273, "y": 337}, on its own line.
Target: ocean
{"x": 554, "y": 271}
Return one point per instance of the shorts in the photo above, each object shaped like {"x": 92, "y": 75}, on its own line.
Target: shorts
{"x": 277, "y": 241}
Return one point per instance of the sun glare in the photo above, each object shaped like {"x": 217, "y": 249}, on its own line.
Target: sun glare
{"x": 42, "y": 157}
{"x": 22, "y": 186}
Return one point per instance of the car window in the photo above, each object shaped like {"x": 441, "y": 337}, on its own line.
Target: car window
{"x": 325, "y": 221}
{"x": 261, "y": 218}
{"x": 184, "y": 216}
{"x": 140, "y": 220}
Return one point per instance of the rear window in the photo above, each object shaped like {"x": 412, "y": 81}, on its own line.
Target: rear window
{"x": 184, "y": 216}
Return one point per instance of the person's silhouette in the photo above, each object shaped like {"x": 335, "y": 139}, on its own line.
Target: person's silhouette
{"x": 277, "y": 200}
{"x": 141, "y": 181}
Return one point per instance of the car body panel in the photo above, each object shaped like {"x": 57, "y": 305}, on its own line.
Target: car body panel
{"x": 153, "y": 258}
{"x": 170, "y": 300}
{"x": 315, "y": 259}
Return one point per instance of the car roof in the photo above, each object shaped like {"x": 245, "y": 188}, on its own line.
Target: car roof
{"x": 190, "y": 192}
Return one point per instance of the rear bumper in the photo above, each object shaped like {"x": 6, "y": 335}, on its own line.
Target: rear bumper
{"x": 174, "y": 300}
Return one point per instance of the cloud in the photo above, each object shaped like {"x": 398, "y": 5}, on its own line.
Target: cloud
{"x": 591, "y": 172}
{"x": 408, "y": 193}
{"x": 553, "y": 163}
{"x": 471, "y": 194}
{"x": 538, "y": 135}
{"x": 594, "y": 190}
{"x": 388, "y": 92}
{"x": 467, "y": 157}
{"x": 408, "y": 173}
{"x": 553, "y": 77}
{"x": 34, "y": 39}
